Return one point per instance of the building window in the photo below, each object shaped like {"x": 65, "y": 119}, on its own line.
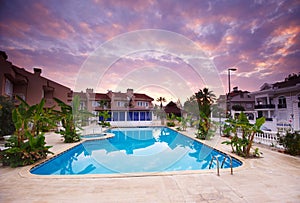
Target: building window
{"x": 122, "y": 116}
{"x": 142, "y": 116}
{"x": 281, "y": 102}
{"x": 136, "y": 116}
{"x": 115, "y": 116}
{"x": 82, "y": 106}
{"x": 121, "y": 104}
{"x": 95, "y": 103}
{"x": 9, "y": 87}
{"x": 129, "y": 116}
{"x": 143, "y": 104}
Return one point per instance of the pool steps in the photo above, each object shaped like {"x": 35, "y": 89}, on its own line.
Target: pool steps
{"x": 218, "y": 164}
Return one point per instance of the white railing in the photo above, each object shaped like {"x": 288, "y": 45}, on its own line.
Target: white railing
{"x": 269, "y": 138}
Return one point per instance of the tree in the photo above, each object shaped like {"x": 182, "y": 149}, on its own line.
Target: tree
{"x": 67, "y": 118}
{"x": 6, "y": 123}
{"x": 104, "y": 103}
{"x": 205, "y": 99}
{"x": 191, "y": 106}
{"x": 161, "y": 100}
{"x": 238, "y": 108}
{"x": 160, "y": 112}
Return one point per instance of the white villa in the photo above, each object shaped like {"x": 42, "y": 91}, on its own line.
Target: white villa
{"x": 279, "y": 103}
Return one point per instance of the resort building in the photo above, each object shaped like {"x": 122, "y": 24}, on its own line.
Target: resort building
{"x": 31, "y": 87}
{"x": 123, "y": 107}
{"x": 238, "y": 101}
{"x": 241, "y": 98}
{"x": 279, "y": 103}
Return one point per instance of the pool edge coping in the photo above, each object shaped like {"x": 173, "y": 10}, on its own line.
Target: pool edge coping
{"x": 25, "y": 172}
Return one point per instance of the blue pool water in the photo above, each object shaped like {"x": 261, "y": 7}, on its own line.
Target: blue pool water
{"x": 134, "y": 150}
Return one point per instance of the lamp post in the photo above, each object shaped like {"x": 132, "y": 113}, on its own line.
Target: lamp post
{"x": 229, "y": 89}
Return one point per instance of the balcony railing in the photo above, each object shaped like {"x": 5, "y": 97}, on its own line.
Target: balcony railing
{"x": 265, "y": 106}
{"x": 281, "y": 106}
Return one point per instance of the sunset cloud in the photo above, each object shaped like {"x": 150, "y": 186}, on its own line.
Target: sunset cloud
{"x": 259, "y": 38}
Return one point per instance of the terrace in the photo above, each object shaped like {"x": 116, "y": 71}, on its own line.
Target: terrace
{"x": 273, "y": 178}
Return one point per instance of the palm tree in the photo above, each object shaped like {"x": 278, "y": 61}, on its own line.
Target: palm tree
{"x": 161, "y": 100}
{"x": 204, "y": 98}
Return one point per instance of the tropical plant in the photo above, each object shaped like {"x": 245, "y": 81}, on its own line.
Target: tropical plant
{"x": 205, "y": 99}
{"x": 105, "y": 115}
{"x": 206, "y": 127}
{"x": 69, "y": 124}
{"x": 6, "y": 123}
{"x": 27, "y": 145}
{"x": 81, "y": 116}
{"x": 171, "y": 118}
{"x": 291, "y": 142}
{"x": 160, "y": 112}
{"x": 183, "y": 122}
{"x": 161, "y": 100}
{"x": 241, "y": 145}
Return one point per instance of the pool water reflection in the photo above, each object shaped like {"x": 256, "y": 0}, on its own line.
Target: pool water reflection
{"x": 134, "y": 150}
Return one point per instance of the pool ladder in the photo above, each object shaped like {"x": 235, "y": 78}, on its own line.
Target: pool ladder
{"x": 218, "y": 164}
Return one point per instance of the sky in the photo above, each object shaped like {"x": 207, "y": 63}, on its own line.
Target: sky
{"x": 161, "y": 48}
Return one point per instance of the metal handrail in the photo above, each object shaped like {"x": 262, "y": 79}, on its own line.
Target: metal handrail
{"x": 218, "y": 168}
{"x": 231, "y": 169}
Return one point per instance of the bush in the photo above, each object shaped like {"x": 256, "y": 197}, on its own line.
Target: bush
{"x": 291, "y": 143}
{"x": 26, "y": 153}
{"x": 170, "y": 124}
{"x": 27, "y": 145}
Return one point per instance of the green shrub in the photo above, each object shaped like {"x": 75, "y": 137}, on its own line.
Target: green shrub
{"x": 27, "y": 145}
{"x": 25, "y": 153}
{"x": 170, "y": 124}
{"x": 291, "y": 143}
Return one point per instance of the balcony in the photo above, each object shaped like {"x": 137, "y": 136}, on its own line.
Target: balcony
{"x": 264, "y": 106}
{"x": 281, "y": 106}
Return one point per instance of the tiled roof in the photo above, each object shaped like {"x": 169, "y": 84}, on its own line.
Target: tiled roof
{"x": 139, "y": 96}
{"x": 100, "y": 96}
{"x": 289, "y": 82}
{"x": 171, "y": 107}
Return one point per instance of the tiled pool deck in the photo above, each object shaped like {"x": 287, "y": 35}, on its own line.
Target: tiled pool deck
{"x": 273, "y": 178}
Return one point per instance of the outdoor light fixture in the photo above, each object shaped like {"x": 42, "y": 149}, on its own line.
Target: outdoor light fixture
{"x": 229, "y": 88}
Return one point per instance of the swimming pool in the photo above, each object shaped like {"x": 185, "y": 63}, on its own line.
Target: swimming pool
{"x": 134, "y": 150}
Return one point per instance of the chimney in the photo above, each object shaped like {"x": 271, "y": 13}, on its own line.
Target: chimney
{"x": 89, "y": 90}
{"x": 130, "y": 92}
{"x": 3, "y": 55}
{"x": 37, "y": 71}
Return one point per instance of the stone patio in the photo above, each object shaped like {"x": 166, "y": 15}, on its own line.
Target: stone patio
{"x": 273, "y": 178}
